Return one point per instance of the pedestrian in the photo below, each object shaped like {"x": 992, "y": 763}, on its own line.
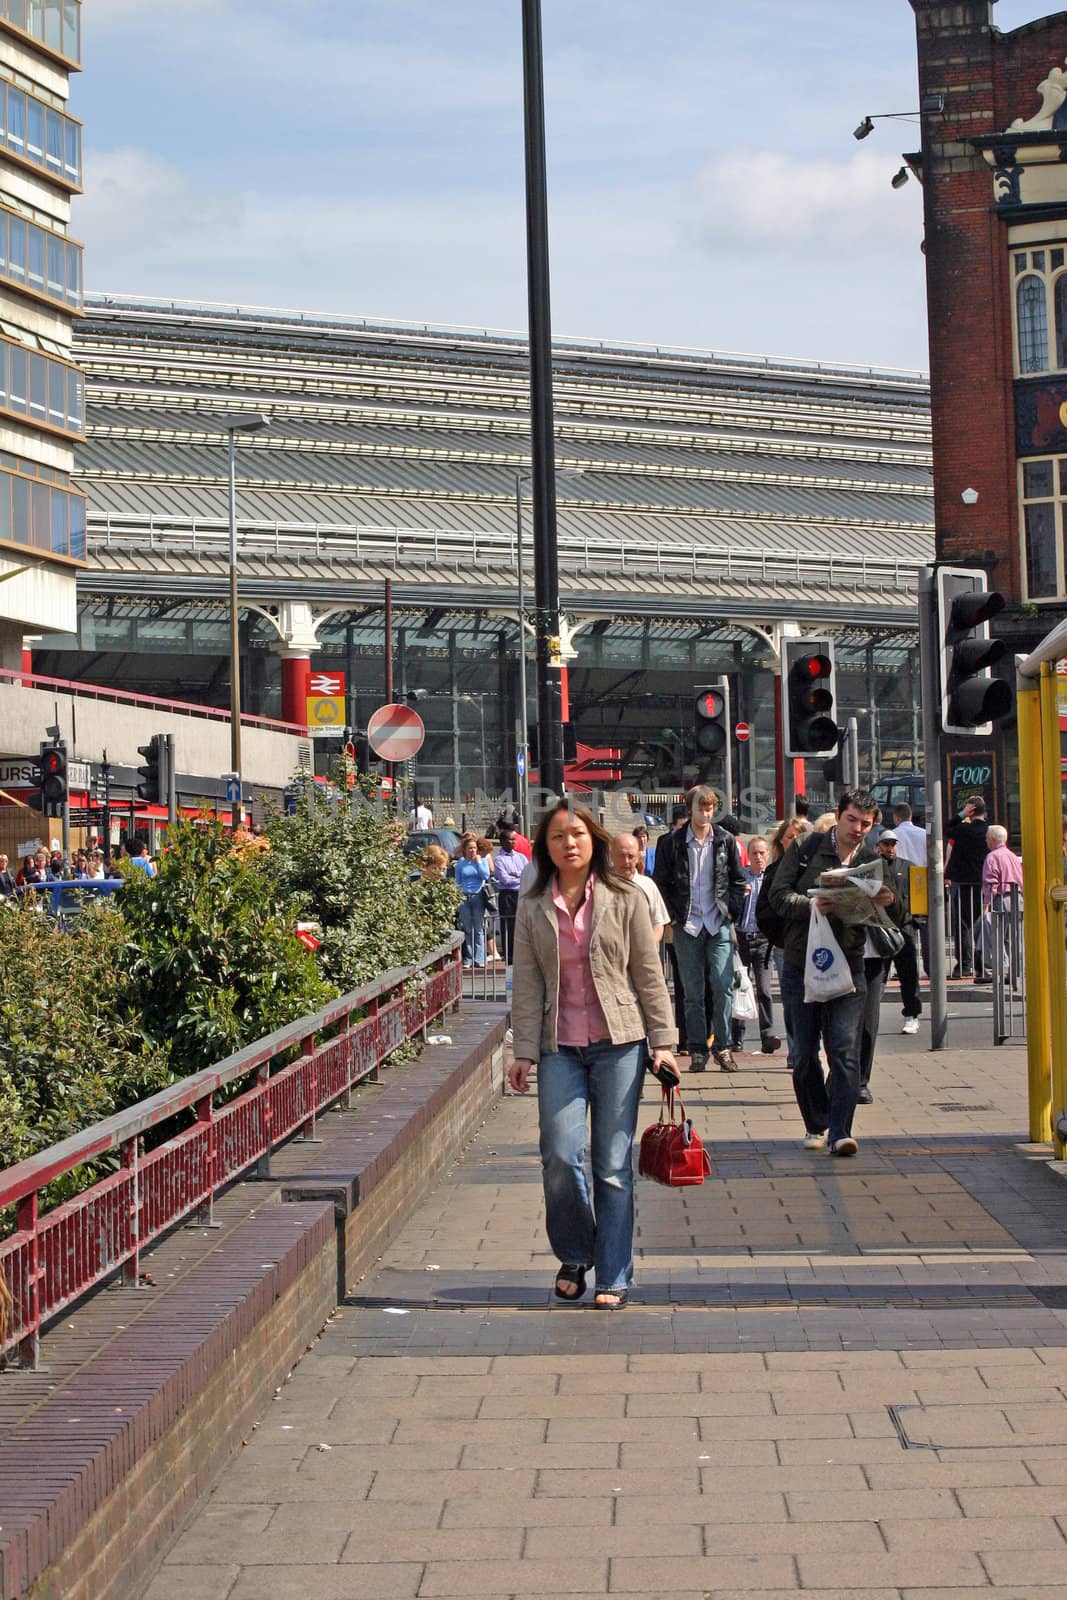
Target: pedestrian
{"x": 1002, "y": 871}
{"x": 648, "y": 851}
{"x": 7, "y": 878}
{"x": 141, "y": 859}
{"x": 827, "y": 1105}
{"x": 627, "y": 857}
{"x": 733, "y": 827}
{"x": 509, "y": 818}
{"x": 588, "y": 992}
{"x": 508, "y": 864}
{"x": 434, "y": 862}
{"x": 754, "y": 948}
{"x": 964, "y": 860}
{"x": 472, "y": 874}
{"x": 699, "y": 875}
{"x": 911, "y": 839}
{"x": 906, "y": 960}
{"x": 679, "y": 819}
{"x": 420, "y": 817}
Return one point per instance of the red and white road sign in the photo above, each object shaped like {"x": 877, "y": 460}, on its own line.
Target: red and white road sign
{"x": 742, "y": 732}
{"x": 326, "y": 683}
{"x": 395, "y": 732}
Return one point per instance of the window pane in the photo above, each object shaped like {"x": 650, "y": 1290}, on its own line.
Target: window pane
{"x": 1059, "y": 296}
{"x": 74, "y": 275}
{"x": 38, "y": 388}
{"x": 55, "y": 142}
{"x": 57, "y": 395}
{"x": 1039, "y": 261}
{"x": 16, "y": 120}
{"x": 3, "y": 107}
{"x": 57, "y": 250}
{"x": 75, "y": 400}
{"x": 17, "y": 250}
{"x": 74, "y": 152}
{"x": 40, "y": 516}
{"x": 3, "y": 374}
{"x": 16, "y": 10}
{"x": 72, "y": 43}
{"x": 35, "y": 131}
{"x": 1033, "y": 324}
{"x": 1055, "y": 259}
{"x": 1040, "y": 550}
{"x": 20, "y": 510}
{"x": 5, "y": 507}
{"x": 53, "y": 24}
{"x": 77, "y": 526}
{"x": 19, "y": 376}
{"x": 60, "y": 535}
{"x": 35, "y": 239}
{"x": 4, "y": 270}
{"x": 35, "y": 18}
{"x": 1020, "y": 263}
{"x": 1037, "y": 480}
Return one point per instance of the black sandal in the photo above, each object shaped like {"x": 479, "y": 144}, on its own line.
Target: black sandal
{"x": 570, "y": 1274}
{"x": 611, "y": 1299}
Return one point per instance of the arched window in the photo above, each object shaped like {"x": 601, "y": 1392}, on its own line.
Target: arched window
{"x": 1059, "y": 296}
{"x": 1033, "y": 324}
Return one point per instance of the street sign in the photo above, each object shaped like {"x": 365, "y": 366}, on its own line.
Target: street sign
{"x": 233, "y": 788}
{"x": 520, "y": 763}
{"x": 742, "y": 732}
{"x": 330, "y": 684}
{"x": 395, "y": 732}
{"x": 325, "y": 711}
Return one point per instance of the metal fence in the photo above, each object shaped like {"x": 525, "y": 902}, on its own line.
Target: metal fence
{"x": 488, "y": 980}
{"x": 53, "y": 1259}
{"x": 1003, "y": 932}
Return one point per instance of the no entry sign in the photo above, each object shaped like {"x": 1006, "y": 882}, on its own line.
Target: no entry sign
{"x": 395, "y": 733}
{"x": 742, "y": 732}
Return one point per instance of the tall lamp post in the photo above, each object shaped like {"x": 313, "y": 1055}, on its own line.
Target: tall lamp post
{"x": 250, "y": 422}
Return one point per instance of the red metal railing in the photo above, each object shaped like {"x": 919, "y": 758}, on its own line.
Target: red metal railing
{"x": 151, "y": 702}
{"x": 55, "y": 1257}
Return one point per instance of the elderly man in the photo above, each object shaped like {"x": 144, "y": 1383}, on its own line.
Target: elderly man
{"x": 1002, "y": 871}
{"x": 626, "y": 858}
{"x": 699, "y": 875}
{"x": 755, "y": 949}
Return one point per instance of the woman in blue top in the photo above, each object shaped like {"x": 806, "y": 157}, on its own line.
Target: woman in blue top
{"x": 472, "y": 874}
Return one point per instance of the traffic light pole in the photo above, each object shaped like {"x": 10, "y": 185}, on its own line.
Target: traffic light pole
{"x": 727, "y": 752}
{"x": 172, "y": 780}
{"x": 929, "y": 648}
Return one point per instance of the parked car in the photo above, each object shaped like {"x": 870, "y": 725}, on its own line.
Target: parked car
{"x": 67, "y": 899}
{"x": 415, "y": 843}
{"x": 907, "y": 786}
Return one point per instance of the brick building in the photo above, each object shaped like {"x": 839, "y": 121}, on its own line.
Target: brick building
{"x": 994, "y": 170}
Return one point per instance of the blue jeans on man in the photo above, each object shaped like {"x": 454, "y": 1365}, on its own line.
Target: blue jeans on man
{"x": 827, "y": 1104}
{"x": 598, "y": 1084}
{"x": 706, "y": 956}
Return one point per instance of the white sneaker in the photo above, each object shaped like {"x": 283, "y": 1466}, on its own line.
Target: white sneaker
{"x": 814, "y": 1141}
{"x": 844, "y": 1147}
{"x": 911, "y": 1025}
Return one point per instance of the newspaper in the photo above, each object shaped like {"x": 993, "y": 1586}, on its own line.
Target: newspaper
{"x": 852, "y": 891}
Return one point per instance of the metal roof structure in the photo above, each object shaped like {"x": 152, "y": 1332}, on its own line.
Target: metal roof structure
{"x": 693, "y": 485}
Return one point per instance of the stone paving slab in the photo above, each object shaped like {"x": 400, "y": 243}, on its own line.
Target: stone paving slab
{"x": 833, "y": 1379}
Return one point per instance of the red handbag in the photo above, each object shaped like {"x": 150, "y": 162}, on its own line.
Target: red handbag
{"x": 671, "y": 1151}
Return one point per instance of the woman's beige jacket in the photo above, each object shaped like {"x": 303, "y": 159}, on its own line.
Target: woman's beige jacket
{"x": 624, "y": 960}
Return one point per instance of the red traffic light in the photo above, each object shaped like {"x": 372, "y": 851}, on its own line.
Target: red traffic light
{"x": 53, "y": 764}
{"x": 710, "y": 704}
{"x": 809, "y": 669}
{"x": 969, "y": 611}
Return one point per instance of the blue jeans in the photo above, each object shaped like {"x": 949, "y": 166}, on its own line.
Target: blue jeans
{"x": 711, "y": 956}
{"x": 826, "y": 1104}
{"x": 601, "y": 1081}
{"x": 472, "y": 921}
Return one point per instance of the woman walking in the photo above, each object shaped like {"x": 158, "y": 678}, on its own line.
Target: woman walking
{"x": 588, "y": 991}
{"x": 472, "y": 875}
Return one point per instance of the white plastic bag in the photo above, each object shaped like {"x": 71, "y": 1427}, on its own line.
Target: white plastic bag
{"x": 826, "y": 972}
{"x": 745, "y": 1007}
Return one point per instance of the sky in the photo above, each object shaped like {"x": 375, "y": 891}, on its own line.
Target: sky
{"x": 366, "y": 157}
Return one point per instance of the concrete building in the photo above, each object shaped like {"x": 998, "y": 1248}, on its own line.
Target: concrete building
{"x": 42, "y": 401}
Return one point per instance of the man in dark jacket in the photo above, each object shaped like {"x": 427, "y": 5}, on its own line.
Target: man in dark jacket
{"x": 827, "y": 1104}
{"x": 699, "y": 875}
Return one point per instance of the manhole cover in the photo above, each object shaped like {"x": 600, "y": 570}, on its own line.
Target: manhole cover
{"x": 957, "y": 1105}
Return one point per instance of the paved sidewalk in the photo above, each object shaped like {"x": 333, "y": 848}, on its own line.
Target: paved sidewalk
{"x": 834, "y": 1377}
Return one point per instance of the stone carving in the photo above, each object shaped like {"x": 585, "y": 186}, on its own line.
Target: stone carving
{"x": 1053, "y": 114}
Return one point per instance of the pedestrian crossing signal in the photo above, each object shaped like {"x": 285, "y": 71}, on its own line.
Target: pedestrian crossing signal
{"x": 809, "y": 694}
{"x": 710, "y": 718}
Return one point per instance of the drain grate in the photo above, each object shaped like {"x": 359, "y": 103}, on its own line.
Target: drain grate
{"x": 958, "y": 1105}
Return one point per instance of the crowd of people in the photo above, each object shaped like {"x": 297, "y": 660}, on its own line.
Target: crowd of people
{"x": 86, "y": 864}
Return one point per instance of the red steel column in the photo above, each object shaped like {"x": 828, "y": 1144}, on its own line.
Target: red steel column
{"x": 296, "y": 682}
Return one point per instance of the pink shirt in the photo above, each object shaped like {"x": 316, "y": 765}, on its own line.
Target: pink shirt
{"x": 1000, "y": 869}
{"x": 581, "y": 1017}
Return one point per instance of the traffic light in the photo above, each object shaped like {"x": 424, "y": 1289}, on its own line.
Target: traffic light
{"x": 809, "y": 693}
{"x": 152, "y": 788}
{"x": 971, "y": 698}
{"x": 52, "y": 778}
{"x": 710, "y": 718}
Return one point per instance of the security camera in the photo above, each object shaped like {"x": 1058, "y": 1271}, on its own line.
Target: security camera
{"x": 899, "y": 179}
{"x": 865, "y": 127}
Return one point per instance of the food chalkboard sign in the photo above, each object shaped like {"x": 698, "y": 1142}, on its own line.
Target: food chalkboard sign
{"x": 971, "y": 772}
